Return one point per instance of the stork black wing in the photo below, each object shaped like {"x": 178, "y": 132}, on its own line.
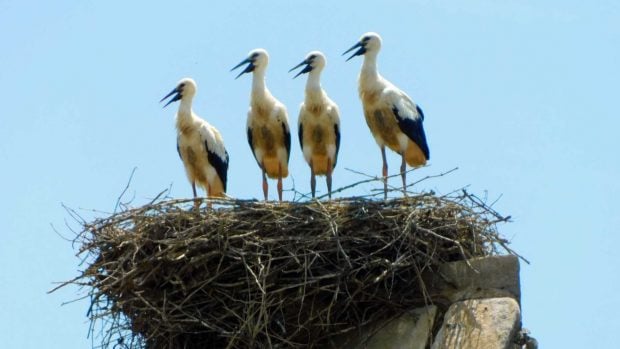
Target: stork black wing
{"x": 220, "y": 165}
{"x": 300, "y": 133}
{"x": 287, "y": 141}
{"x": 412, "y": 127}
{"x": 337, "y": 130}
{"x": 251, "y": 143}
{"x": 420, "y": 112}
{"x": 179, "y": 150}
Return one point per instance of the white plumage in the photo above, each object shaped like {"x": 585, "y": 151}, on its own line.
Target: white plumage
{"x": 199, "y": 144}
{"x": 318, "y": 123}
{"x": 267, "y": 125}
{"x": 393, "y": 118}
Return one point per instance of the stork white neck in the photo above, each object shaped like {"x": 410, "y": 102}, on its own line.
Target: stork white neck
{"x": 185, "y": 115}
{"x": 369, "y": 73}
{"x": 259, "y": 87}
{"x": 185, "y": 106}
{"x": 314, "y": 91}
{"x": 260, "y": 94}
{"x": 314, "y": 81}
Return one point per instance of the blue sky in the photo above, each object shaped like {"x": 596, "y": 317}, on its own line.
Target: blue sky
{"x": 520, "y": 95}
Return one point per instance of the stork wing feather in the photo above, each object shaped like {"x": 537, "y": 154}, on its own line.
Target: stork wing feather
{"x": 337, "y": 130}
{"x": 419, "y": 110}
{"x": 179, "y": 149}
{"x": 251, "y": 143}
{"x": 333, "y": 114}
{"x": 281, "y": 116}
{"x": 410, "y": 118}
{"x": 220, "y": 164}
{"x": 303, "y": 116}
{"x": 287, "y": 140}
{"x": 216, "y": 152}
{"x": 300, "y": 133}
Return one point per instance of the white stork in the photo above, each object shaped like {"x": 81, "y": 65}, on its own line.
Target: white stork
{"x": 199, "y": 144}
{"x": 267, "y": 126}
{"x": 393, "y": 118}
{"x": 319, "y": 123}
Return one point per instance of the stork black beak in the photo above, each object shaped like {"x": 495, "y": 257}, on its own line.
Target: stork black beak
{"x": 361, "y": 51}
{"x": 307, "y": 68}
{"x": 173, "y": 99}
{"x": 248, "y": 69}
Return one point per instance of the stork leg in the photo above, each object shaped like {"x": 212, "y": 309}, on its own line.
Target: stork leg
{"x": 280, "y": 182}
{"x": 328, "y": 178}
{"x": 196, "y": 201}
{"x": 209, "y": 203}
{"x": 265, "y": 185}
{"x": 312, "y": 179}
{"x": 385, "y": 173}
{"x": 403, "y": 173}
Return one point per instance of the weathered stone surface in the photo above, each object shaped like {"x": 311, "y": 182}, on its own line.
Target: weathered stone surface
{"x": 524, "y": 340}
{"x": 479, "y": 324}
{"x": 487, "y": 277}
{"x": 409, "y": 331}
{"x": 482, "y": 298}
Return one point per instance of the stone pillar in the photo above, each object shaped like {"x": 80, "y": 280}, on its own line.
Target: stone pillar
{"x": 482, "y": 297}
{"x": 411, "y": 330}
{"x": 490, "y": 323}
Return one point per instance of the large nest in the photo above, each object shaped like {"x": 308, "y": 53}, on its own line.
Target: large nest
{"x": 248, "y": 274}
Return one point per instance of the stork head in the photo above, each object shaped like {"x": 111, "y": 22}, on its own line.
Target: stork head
{"x": 368, "y": 43}
{"x": 315, "y": 62}
{"x": 186, "y": 88}
{"x": 257, "y": 60}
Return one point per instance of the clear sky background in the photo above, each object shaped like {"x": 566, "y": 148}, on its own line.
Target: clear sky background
{"x": 520, "y": 95}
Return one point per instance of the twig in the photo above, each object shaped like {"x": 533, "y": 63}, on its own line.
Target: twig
{"x": 118, "y": 200}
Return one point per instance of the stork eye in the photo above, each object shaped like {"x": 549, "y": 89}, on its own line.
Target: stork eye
{"x": 181, "y": 85}
{"x": 366, "y": 38}
{"x": 312, "y": 57}
{"x": 254, "y": 55}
